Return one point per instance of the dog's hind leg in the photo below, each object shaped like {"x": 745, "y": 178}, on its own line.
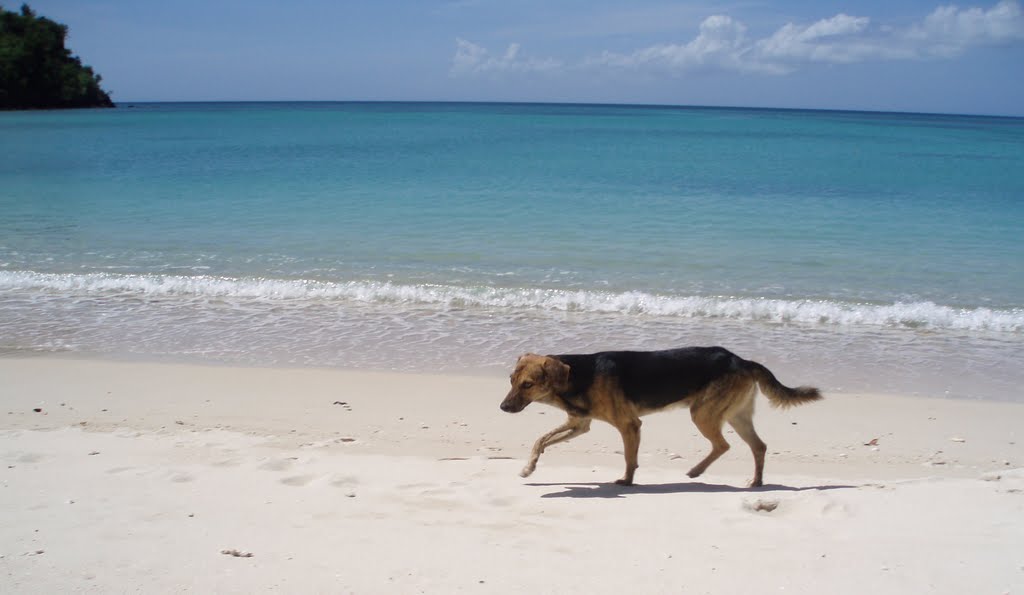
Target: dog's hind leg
{"x": 709, "y": 422}
{"x": 574, "y": 426}
{"x": 743, "y": 422}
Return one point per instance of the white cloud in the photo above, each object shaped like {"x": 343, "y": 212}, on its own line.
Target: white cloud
{"x": 722, "y": 44}
{"x": 471, "y": 58}
{"x": 843, "y": 39}
{"x": 950, "y": 31}
{"x": 838, "y": 40}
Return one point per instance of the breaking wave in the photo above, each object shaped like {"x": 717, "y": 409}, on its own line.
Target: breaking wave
{"x": 920, "y": 315}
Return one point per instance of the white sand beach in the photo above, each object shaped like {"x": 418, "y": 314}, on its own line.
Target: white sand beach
{"x": 138, "y": 477}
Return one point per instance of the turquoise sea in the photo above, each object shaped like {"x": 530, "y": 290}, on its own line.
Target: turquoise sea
{"x": 856, "y": 251}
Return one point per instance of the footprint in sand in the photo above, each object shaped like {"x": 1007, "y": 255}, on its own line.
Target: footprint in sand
{"x": 500, "y": 501}
{"x": 413, "y": 486}
{"x": 297, "y": 480}
{"x": 344, "y": 482}
{"x": 277, "y": 465}
{"x": 231, "y": 462}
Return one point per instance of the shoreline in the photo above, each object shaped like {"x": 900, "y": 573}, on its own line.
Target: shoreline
{"x": 445, "y": 333}
{"x": 139, "y": 475}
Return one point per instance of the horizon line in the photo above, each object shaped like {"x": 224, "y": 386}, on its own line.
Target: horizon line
{"x": 120, "y": 104}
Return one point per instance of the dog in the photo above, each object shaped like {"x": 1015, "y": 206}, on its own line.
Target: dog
{"x": 618, "y": 387}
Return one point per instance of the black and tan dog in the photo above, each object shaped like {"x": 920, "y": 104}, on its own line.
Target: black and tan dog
{"x": 620, "y": 386}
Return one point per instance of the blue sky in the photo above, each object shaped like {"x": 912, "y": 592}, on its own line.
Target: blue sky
{"x": 875, "y": 55}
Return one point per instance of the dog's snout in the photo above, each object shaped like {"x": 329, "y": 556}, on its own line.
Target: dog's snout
{"x": 511, "y": 404}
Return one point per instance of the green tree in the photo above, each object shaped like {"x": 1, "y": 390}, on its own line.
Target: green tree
{"x": 37, "y": 71}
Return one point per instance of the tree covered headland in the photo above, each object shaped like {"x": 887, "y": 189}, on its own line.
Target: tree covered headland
{"x": 37, "y": 71}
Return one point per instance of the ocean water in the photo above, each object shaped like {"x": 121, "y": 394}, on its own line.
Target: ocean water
{"x": 856, "y": 251}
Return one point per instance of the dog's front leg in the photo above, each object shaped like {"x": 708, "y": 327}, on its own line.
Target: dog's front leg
{"x": 630, "y": 430}
{"x": 574, "y": 426}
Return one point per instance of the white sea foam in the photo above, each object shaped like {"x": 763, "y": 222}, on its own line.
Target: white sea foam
{"x": 924, "y": 314}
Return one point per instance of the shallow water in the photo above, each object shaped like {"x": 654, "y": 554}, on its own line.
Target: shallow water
{"x": 855, "y": 251}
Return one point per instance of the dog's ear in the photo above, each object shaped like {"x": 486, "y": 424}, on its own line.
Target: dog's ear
{"x": 524, "y": 356}
{"x": 557, "y": 372}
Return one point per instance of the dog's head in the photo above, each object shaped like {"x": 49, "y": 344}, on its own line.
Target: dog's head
{"x": 535, "y": 378}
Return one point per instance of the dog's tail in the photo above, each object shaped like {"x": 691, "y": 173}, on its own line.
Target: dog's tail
{"x": 779, "y": 394}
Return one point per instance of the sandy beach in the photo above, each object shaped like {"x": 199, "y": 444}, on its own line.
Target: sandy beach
{"x": 142, "y": 477}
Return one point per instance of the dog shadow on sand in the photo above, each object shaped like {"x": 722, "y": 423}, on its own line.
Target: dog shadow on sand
{"x": 611, "y": 490}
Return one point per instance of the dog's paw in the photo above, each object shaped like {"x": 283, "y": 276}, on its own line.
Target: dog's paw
{"x": 526, "y": 472}
{"x": 693, "y": 473}
{"x": 623, "y": 482}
